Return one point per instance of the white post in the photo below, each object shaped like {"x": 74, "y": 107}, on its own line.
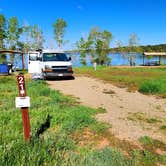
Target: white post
{"x": 94, "y": 65}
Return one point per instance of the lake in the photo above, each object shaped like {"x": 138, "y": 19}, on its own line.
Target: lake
{"x": 117, "y": 59}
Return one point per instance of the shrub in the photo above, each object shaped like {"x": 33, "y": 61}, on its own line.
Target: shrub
{"x": 153, "y": 86}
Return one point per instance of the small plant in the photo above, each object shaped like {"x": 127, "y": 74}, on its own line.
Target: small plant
{"x": 101, "y": 110}
{"x": 163, "y": 127}
{"x": 108, "y": 91}
{"x": 142, "y": 117}
{"x": 153, "y": 120}
{"x": 146, "y": 140}
{"x": 137, "y": 116}
{"x": 152, "y": 144}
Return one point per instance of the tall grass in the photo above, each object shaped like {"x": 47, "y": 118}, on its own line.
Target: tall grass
{"x": 153, "y": 86}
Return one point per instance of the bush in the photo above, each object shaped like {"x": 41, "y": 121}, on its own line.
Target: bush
{"x": 153, "y": 86}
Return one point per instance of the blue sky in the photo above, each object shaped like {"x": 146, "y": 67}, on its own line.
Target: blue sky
{"x": 146, "y": 18}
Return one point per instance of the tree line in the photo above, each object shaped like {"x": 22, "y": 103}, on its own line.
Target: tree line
{"x": 141, "y": 49}
{"x": 15, "y": 36}
{"x": 27, "y": 37}
{"x": 96, "y": 45}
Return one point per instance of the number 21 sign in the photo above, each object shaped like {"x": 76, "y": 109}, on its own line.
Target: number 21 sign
{"x": 21, "y": 85}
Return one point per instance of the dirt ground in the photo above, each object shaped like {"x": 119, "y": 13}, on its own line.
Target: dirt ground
{"x": 131, "y": 114}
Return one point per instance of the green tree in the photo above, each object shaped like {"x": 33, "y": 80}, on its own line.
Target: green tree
{"x": 14, "y": 32}
{"x": 2, "y": 30}
{"x": 25, "y": 43}
{"x": 59, "y": 31}
{"x": 83, "y": 46}
{"x": 101, "y": 44}
{"x": 96, "y": 45}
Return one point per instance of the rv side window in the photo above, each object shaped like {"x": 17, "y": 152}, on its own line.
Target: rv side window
{"x": 33, "y": 57}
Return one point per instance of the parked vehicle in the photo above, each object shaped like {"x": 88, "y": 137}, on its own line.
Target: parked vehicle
{"x": 49, "y": 63}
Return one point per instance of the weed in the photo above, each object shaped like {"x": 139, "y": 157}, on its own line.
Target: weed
{"x": 100, "y": 127}
{"x": 101, "y": 110}
{"x": 158, "y": 107}
{"x": 137, "y": 116}
{"x": 108, "y": 91}
{"x": 151, "y": 144}
{"x": 153, "y": 120}
{"x": 142, "y": 117}
{"x": 163, "y": 127}
{"x": 146, "y": 158}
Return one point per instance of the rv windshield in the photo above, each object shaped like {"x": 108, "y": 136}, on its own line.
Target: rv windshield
{"x": 54, "y": 57}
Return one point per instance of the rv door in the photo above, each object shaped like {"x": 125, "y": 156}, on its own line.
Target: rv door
{"x": 34, "y": 64}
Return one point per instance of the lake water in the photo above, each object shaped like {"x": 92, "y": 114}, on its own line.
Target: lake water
{"x": 117, "y": 59}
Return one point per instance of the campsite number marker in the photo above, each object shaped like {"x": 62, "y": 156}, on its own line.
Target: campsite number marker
{"x": 23, "y": 102}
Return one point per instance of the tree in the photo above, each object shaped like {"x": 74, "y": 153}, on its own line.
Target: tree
{"x": 59, "y": 31}
{"x": 32, "y": 38}
{"x": 101, "y": 44}
{"x": 2, "y": 30}
{"x": 14, "y": 32}
{"x": 133, "y": 42}
{"x": 84, "y": 47}
{"x": 96, "y": 45}
{"x": 37, "y": 37}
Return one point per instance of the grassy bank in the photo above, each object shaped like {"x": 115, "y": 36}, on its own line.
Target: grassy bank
{"x": 71, "y": 136}
{"x": 146, "y": 80}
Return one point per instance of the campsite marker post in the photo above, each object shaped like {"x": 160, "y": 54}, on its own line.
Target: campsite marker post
{"x": 23, "y": 102}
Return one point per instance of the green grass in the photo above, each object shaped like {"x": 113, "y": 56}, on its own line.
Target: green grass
{"x": 153, "y": 86}
{"x": 56, "y": 145}
{"x": 163, "y": 127}
{"x": 146, "y": 80}
{"x": 152, "y": 144}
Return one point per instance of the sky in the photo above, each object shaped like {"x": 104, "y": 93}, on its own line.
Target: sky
{"x": 146, "y": 18}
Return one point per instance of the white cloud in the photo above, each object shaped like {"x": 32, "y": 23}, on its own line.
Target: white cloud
{"x": 80, "y": 7}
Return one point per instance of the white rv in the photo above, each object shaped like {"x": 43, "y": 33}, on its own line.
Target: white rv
{"x": 49, "y": 63}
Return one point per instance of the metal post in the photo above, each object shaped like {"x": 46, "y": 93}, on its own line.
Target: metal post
{"x": 23, "y": 65}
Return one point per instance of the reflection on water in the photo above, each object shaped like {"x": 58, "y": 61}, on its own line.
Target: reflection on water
{"x": 117, "y": 59}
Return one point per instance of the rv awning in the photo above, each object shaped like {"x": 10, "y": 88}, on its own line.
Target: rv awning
{"x": 11, "y": 52}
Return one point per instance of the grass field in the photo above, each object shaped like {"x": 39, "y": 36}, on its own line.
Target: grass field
{"x": 146, "y": 80}
{"x": 73, "y": 136}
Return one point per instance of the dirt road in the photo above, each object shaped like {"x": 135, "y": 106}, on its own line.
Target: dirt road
{"x": 131, "y": 115}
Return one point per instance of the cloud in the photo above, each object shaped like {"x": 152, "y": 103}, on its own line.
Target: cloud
{"x": 80, "y": 7}
{"x": 1, "y": 9}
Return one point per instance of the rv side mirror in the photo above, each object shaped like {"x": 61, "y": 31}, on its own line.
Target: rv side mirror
{"x": 39, "y": 58}
{"x": 69, "y": 58}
